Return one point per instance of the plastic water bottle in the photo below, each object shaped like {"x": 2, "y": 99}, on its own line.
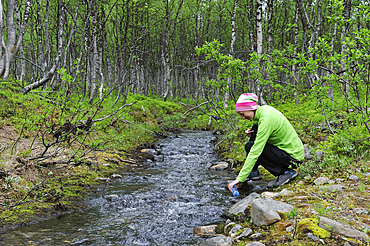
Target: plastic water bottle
{"x": 235, "y": 191}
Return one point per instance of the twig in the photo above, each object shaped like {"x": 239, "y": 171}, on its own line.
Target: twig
{"x": 361, "y": 140}
{"x": 125, "y": 121}
{"x": 224, "y": 139}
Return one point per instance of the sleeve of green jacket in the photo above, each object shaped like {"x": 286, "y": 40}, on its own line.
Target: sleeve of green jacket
{"x": 263, "y": 134}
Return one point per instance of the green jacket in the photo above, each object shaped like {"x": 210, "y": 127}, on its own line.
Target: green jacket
{"x": 275, "y": 129}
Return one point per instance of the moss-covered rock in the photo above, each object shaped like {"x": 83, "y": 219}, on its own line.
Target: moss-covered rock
{"x": 311, "y": 224}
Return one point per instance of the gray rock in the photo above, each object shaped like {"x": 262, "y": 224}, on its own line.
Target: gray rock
{"x": 289, "y": 229}
{"x": 256, "y": 235}
{"x": 312, "y": 237}
{"x": 339, "y": 180}
{"x": 205, "y": 231}
{"x": 238, "y": 210}
{"x": 227, "y": 226}
{"x": 255, "y": 244}
{"x": 321, "y": 181}
{"x": 235, "y": 228}
{"x": 116, "y": 176}
{"x": 364, "y": 227}
{"x": 361, "y": 211}
{"x": 341, "y": 228}
{"x": 319, "y": 154}
{"x": 159, "y": 158}
{"x": 209, "y": 164}
{"x": 220, "y": 166}
{"x": 220, "y": 240}
{"x": 245, "y": 233}
{"x": 335, "y": 188}
{"x": 354, "y": 178}
{"x": 307, "y": 154}
{"x": 150, "y": 151}
{"x": 103, "y": 179}
{"x": 284, "y": 192}
{"x": 111, "y": 198}
{"x": 264, "y": 211}
{"x": 331, "y": 182}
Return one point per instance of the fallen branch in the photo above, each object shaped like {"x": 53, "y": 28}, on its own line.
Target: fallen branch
{"x": 128, "y": 122}
{"x": 361, "y": 140}
{"x": 224, "y": 139}
{"x": 194, "y": 108}
{"x": 108, "y": 116}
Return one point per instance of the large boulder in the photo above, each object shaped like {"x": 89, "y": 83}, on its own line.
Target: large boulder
{"x": 265, "y": 211}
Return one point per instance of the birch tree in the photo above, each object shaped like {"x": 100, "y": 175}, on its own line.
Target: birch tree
{"x": 14, "y": 34}
{"x": 231, "y": 53}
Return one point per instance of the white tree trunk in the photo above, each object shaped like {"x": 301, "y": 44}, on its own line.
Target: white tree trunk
{"x": 95, "y": 57}
{"x": 259, "y": 27}
{"x": 231, "y": 53}
{"x": 259, "y": 47}
{"x": 102, "y": 79}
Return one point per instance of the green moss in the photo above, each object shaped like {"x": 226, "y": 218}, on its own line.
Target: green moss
{"x": 312, "y": 225}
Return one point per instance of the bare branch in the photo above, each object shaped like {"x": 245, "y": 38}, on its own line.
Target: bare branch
{"x": 195, "y": 108}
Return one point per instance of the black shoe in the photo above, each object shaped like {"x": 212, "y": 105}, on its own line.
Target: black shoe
{"x": 286, "y": 177}
{"x": 254, "y": 175}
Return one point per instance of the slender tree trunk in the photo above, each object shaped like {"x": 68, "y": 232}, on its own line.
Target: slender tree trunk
{"x": 251, "y": 25}
{"x": 259, "y": 27}
{"x": 259, "y": 47}
{"x": 13, "y": 45}
{"x": 335, "y": 27}
{"x": 270, "y": 37}
{"x": 294, "y": 67}
{"x": 102, "y": 78}
{"x": 231, "y": 53}
{"x": 167, "y": 36}
{"x": 46, "y": 55}
{"x": 346, "y": 14}
{"x": 95, "y": 54}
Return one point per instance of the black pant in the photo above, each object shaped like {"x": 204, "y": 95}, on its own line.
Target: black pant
{"x": 275, "y": 160}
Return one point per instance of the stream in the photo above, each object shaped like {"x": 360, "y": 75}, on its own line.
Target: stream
{"x": 159, "y": 205}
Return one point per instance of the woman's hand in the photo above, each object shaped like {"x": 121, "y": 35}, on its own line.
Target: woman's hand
{"x": 235, "y": 182}
{"x": 249, "y": 132}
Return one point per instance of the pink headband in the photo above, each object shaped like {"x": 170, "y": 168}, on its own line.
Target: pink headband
{"x": 246, "y": 102}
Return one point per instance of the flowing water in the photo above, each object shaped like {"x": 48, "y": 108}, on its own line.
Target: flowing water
{"x": 159, "y": 205}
